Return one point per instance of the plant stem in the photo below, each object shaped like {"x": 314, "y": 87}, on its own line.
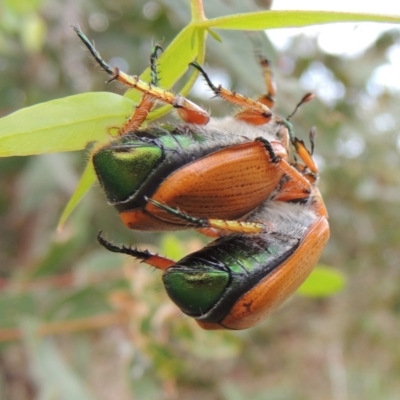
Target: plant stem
{"x": 197, "y": 9}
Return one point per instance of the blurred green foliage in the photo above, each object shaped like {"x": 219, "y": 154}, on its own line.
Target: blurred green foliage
{"x": 342, "y": 347}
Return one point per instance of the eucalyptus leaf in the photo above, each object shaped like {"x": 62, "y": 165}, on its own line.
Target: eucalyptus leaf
{"x": 289, "y": 19}
{"x": 85, "y": 183}
{"x": 66, "y": 124}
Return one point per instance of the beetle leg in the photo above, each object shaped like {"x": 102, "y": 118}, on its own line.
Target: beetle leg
{"x": 267, "y": 98}
{"x": 220, "y": 224}
{"x": 188, "y": 111}
{"x": 294, "y": 185}
{"x": 301, "y": 149}
{"x": 305, "y": 155}
{"x": 143, "y": 255}
{"x": 146, "y": 104}
{"x": 255, "y": 112}
{"x": 138, "y": 116}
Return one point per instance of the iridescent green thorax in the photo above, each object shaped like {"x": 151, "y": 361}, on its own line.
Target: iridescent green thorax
{"x": 135, "y": 165}
{"x": 122, "y": 170}
{"x": 206, "y": 284}
{"x": 125, "y": 164}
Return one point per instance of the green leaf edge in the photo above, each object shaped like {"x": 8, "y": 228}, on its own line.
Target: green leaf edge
{"x": 291, "y": 19}
{"x": 332, "y": 280}
{"x": 86, "y": 181}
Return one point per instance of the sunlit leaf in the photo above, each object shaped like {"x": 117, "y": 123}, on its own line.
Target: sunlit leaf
{"x": 288, "y": 19}
{"x": 62, "y": 125}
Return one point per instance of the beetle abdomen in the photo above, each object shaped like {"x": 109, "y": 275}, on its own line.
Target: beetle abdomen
{"x": 248, "y": 267}
{"x": 235, "y": 262}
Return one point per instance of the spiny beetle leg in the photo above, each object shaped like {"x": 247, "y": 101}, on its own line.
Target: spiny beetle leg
{"x": 267, "y": 98}
{"x": 155, "y": 79}
{"x": 189, "y": 111}
{"x": 255, "y": 112}
{"x": 268, "y": 146}
{"x": 230, "y": 226}
{"x": 306, "y": 155}
{"x": 301, "y": 149}
{"x": 138, "y": 116}
{"x": 146, "y": 104}
{"x": 295, "y": 185}
{"x": 143, "y": 255}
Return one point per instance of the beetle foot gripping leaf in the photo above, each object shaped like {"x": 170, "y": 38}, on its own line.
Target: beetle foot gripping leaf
{"x": 233, "y": 177}
{"x": 255, "y": 112}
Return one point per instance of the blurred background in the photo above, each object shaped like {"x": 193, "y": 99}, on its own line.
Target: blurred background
{"x": 107, "y": 329}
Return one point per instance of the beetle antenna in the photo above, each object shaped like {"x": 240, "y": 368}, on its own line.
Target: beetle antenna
{"x": 305, "y": 99}
{"x": 268, "y": 97}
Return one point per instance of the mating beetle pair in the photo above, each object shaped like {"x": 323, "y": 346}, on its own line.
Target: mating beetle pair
{"x": 231, "y": 178}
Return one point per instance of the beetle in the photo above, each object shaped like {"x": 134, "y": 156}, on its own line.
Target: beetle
{"x": 215, "y": 168}
{"x": 270, "y": 221}
{"x": 241, "y": 277}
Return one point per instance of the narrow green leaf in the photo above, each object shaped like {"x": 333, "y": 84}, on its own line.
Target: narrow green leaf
{"x": 323, "y": 281}
{"x": 214, "y": 35}
{"x": 87, "y": 179}
{"x": 62, "y": 125}
{"x": 287, "y": 19}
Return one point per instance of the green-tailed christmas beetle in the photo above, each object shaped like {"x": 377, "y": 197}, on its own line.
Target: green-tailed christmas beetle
{"x": 231, "y": 178}
{"x": 210, "y": 168}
